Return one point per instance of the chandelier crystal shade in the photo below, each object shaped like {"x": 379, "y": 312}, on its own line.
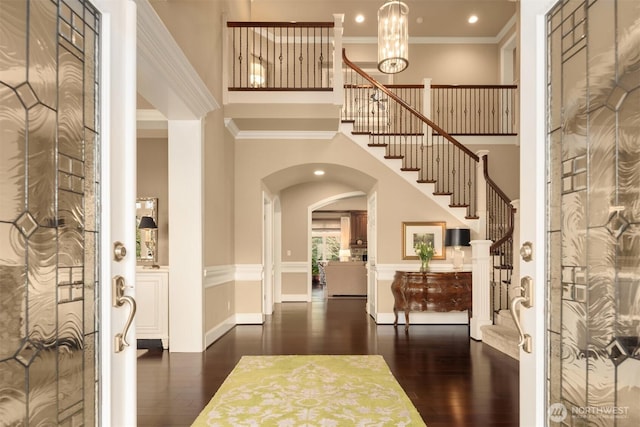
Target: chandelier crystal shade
{"x": 393, "y": 37}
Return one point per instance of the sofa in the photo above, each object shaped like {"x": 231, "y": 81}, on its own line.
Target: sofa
{"x": 346, "y": 278}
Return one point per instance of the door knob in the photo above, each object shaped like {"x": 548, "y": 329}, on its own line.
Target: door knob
{"x": 526, "y": 251}
{"x": 119, "y": 251}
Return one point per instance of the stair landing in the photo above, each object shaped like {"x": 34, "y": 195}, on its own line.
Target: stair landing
{"x": 503, "y": 336}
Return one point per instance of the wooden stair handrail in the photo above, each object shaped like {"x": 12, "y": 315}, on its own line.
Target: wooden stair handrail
{"x": 504, "y": 197}
{"x": 276, "y": 24}
{"x": 406, "y": 106}
{"x": 474, "y": 86}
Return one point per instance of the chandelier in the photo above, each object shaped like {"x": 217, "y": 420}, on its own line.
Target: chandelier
{"x": 393, "y": 37}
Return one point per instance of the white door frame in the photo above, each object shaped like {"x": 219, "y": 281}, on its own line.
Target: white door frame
{"x": 267, "y": 255}
{"x": 118, "y": 391}
{"x": 137, "y": 47}
{"x": 319, "y": 204}
{"x": 532, "y": 207}
{"x": 372, "y": 253}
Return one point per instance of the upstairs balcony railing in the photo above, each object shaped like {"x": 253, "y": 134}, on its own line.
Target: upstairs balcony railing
{"x": 412, "y": 123}
{"x": 406, "y": 134}
{"x": 282, "y": 56}
{"x": 301, "y": 56}
{"x": 475, "y": 109}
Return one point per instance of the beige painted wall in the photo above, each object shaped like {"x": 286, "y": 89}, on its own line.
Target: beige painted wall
{"x": 234, "y": 169}
{"x": 197, "y": 28}
{"x": 443, "y": 63}
{"x": 152, "y": 181}
{"x": 219, "y": 304}
{"x": 504, "y": 167}
{"x": 397, "y": 200}
{"x": 248, "y": 297}
{"x": 294, "y": 284}
{"x": 351, "y": 204}
{"x": 295, "y": 202}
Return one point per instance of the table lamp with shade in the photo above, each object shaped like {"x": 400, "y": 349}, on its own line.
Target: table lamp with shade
{"x": 457, "y": 238}
{"x": 148, "y": 224}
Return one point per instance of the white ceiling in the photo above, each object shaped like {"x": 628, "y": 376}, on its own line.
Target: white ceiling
{"x": 439, "y": 18}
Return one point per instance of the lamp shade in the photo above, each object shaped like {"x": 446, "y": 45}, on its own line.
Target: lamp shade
{"x": 147, "y": 222}
{"x": 393, "y": 37}
{"x": 457, "y": 237}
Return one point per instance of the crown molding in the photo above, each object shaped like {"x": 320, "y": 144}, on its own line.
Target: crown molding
{"x": 507, "y": 27}
{"x": 166, "y": 66}
{"x": 276, "y": 134}
{"x": 426, "y": 40}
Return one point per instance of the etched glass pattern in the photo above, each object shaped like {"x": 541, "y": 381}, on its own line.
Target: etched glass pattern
{"x": 593, "y": 214}
{"x": 49, "y": 140}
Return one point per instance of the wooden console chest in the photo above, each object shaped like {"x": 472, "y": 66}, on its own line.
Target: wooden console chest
{"x": 412, "y": 291}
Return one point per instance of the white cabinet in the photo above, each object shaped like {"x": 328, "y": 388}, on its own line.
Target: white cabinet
{"x": 152, "y": 298}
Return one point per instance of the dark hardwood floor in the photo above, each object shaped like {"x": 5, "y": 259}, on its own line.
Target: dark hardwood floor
{"x": 452, "y": 380}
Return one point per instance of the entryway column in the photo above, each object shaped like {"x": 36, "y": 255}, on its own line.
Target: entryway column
{"x": 481, "y": 287}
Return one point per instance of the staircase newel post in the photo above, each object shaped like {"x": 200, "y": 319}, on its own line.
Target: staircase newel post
{"x": 481, "y": 191}
{"x": 481, "y": 287}
{"x": 426, "y": 103}
{"x": 338, "y": 83}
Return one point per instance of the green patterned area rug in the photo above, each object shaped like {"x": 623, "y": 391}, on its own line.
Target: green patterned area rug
{"x": 310, "y": 391}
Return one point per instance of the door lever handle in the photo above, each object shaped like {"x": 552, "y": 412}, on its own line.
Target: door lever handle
{"x": 525, "y": 339}
{"x": 525, "y": 301}
{"x": 119, "y": 300}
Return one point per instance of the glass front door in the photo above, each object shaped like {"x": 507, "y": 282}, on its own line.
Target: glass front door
{"x": 49, "y": 230}
{"x": 593, "y": 216}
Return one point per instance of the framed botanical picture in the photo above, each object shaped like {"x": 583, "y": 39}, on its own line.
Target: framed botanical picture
{"x": 416, "y": 232}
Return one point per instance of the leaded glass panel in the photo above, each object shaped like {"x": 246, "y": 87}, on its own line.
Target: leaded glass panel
{"x": 49, "y": 228}
{"x": 593, "y": 214}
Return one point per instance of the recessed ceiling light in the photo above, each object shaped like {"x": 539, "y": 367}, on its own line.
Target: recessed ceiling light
{"x": 419, "y": 20}
{"x": 473, "y": 19}
{"x": 359, "y": 18}
{"x": 318, "y": 172}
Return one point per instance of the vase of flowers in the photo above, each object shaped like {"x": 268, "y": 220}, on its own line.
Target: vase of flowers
{"x": 425, "y": 252}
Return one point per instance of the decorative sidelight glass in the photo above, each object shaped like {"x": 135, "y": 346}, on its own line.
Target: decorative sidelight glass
{"x": 593, "y": 214}
{"x": 49, "y": 204}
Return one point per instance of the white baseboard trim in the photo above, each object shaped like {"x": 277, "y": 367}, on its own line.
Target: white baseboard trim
{"x": 296, "y": 298}
{"x": 421, "y": 318}
{"x": 249, "y": 319}
{"x": 213, "y": 334}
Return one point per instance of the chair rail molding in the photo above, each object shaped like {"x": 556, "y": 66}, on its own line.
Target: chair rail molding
{"x": 218, "y": 275}
{"x": 248, "y": 272}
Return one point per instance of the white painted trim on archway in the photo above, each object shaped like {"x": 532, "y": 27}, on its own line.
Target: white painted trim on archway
{"x": 267, "y": 254}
